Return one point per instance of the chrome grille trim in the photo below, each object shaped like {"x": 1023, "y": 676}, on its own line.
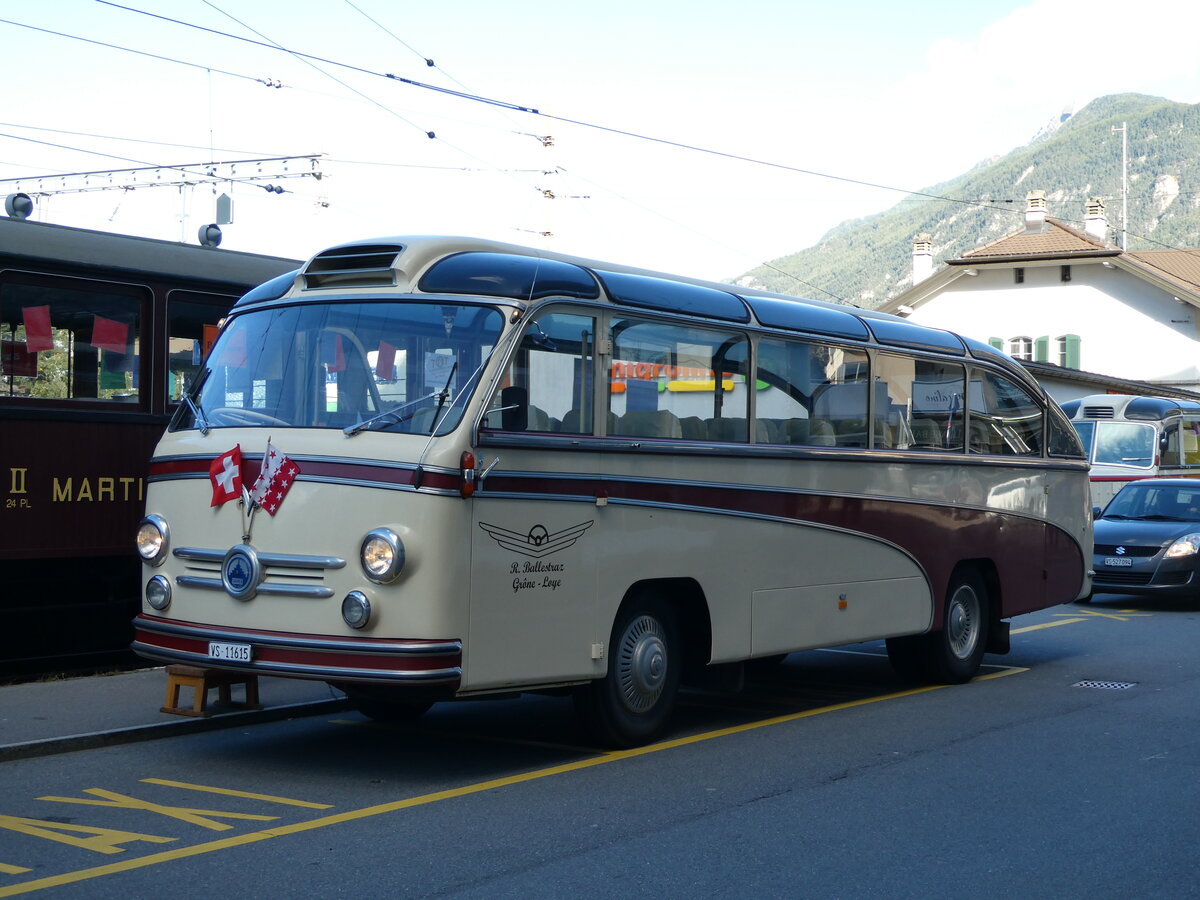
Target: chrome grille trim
{"x": 272, "y": 588}
{"x": 290, "y": 560}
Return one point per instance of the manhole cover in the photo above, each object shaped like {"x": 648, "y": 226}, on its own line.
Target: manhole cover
{"x": 1106, "y": 685}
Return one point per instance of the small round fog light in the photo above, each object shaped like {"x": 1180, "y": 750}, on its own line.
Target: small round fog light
{"x": 153, "y": 536}
{"x": 382, "y": 555}
{"x": 158, "y": 592}
{"x": 356, "y": 609}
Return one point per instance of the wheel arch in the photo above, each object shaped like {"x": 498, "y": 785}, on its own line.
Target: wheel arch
{"x": 688, "y": 602}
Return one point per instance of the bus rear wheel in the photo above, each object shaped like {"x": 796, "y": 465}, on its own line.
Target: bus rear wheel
{"x": 951, "y": 655}
{"x": 632, "y": 704}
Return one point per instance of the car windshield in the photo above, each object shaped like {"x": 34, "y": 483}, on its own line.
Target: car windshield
{"x": 1147, "y": 500}
{"x": 391, "y": 366}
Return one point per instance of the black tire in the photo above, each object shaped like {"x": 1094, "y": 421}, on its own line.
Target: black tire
{"x": 632, "y": 704}
{"x": 958, "y": 648}
{"x": 951, "y": 655}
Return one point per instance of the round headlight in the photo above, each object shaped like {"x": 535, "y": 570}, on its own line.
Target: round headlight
{"x": 382, "y": 555}
{"x": 153, "y": 536}
{"x": 158, "y": 592}
{"x": 356, "y": 609}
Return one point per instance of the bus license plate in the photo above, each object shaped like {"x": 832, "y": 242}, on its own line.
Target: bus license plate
{"x": 1118, "y": 561}
{"x": 233, "y": 652}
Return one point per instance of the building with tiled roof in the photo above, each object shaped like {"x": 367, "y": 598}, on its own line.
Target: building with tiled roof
{"x": 1068, "y": 297}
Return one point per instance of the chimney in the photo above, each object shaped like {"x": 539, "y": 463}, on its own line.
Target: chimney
{"x": 922, "y": 262}
{"x": 1035, "y": 212}
{"x": 1095, "y": 222}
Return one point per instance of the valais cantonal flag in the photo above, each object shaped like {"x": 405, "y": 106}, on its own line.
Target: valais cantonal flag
{"x": 275, "y": 479}
{"x": 225, "y": 473}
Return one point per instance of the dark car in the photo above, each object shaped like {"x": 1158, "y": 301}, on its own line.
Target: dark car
{"x": 1147, "y": 541}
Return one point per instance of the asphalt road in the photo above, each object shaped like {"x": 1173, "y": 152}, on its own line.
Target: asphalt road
{"x": 1070, "y": 769}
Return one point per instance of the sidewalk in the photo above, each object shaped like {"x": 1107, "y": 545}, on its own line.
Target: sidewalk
{"x": 45, "y": 717}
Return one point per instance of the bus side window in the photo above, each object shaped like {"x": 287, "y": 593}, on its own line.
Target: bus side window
{"x": 1189, "y": 444}
{"x": 921, "y": 406}
{"x": 548, "y": 385}
{"x": 678, "y": 382}
{"x": 810, "y": 395}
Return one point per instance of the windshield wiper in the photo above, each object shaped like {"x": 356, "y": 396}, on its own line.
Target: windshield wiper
{"x": 351, "y": 430}
{"x": 194, "y": 405}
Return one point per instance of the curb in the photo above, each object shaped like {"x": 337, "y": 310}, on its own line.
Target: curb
{"x": 137, "y": 733}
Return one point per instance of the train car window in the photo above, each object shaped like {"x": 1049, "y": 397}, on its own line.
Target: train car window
{"x": 192, "y": 322}
{"x": 70, "y": 339}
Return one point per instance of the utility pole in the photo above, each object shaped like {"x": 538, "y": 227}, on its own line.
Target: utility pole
{"x": 1124, "y": 129}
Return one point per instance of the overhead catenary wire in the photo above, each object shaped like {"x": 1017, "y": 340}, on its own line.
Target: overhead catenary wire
{"x": 517, "y": 107}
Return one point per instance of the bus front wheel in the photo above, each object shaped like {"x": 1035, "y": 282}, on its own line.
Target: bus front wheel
{"x": 952, "y": 654}
{"x": 633, "y": 702}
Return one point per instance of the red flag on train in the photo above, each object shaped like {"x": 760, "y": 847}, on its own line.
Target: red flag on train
{"x": 274, "y": 481}
{"x": 225, "y": 473}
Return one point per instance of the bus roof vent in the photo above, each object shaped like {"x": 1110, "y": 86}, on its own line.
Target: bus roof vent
{"x": 1098, "y": 412}
{"x": 358, "y": 265}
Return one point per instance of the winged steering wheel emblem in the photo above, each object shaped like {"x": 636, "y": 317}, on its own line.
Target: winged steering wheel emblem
{"x": 538, "y": 542}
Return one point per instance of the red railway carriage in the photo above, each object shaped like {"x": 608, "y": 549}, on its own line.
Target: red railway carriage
{"x": 99, "y": 335}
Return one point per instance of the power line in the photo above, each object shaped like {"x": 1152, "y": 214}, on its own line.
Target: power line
{"x": 516, "y": 107}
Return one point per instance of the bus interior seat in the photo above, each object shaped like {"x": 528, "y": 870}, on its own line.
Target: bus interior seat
{"x": 728, "y": 430}
{"x": 693, "y": 428}
{"x": 656, "y": 423}
{"x": 821, "y": 433}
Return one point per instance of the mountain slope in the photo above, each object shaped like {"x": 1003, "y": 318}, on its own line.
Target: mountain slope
{"x": 866, "y": 261}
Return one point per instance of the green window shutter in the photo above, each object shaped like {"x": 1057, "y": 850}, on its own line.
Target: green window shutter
{"x": 997, "y": 343}
{"x": 1041, "y": 349}
{"x": 1070, "y": 344}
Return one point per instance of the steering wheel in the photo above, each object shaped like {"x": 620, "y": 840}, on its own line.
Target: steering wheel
{"x": 233, "y": 415}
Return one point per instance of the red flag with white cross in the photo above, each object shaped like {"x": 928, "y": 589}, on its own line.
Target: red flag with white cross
{"x": 225, "y": 473}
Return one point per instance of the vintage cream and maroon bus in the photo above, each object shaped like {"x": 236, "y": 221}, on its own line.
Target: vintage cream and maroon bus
{"x": 430, "y": 468}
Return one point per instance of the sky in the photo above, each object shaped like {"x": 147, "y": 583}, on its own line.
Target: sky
{"x": 685, "y": 136}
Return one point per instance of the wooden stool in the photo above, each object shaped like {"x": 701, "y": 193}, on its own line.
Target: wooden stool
{"x": 201, "y": 681}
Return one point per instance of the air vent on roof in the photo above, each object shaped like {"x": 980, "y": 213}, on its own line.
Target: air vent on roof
{"x": 357, "y": 266}
{"x": 1098, "y": 412}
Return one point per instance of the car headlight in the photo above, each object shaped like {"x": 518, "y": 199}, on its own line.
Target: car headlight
{"x": 1187, "y": 545}
{"x": 153, "y": 538}
{"x": 382, "y": 555}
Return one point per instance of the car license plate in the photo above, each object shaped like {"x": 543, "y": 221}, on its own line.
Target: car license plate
{"x": 1118, "y": 561}
{"x": 233, "y": 652}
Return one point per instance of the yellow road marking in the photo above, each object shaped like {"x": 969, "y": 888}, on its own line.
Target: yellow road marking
{"x": 1121, "y": 615}
{"x": 1045, "y": 625}
{"x": 436, "y": 797}
{"x": 232, "y": 793}
{"x": 13, "y": 870}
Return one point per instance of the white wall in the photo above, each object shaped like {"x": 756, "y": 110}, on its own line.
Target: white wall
{"x": 1128, "y": 328}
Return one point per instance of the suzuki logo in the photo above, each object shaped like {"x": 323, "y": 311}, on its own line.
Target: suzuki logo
{"x": 1120, "y": 551}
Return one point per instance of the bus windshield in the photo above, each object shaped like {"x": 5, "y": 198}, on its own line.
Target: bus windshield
{"x": 405, "y": 367}
{"x": 1124, "y": 444}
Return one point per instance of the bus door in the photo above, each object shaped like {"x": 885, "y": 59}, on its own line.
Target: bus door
{"x": 536, "y": 532}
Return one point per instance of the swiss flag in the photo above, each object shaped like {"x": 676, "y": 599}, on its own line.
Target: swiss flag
{"x": 275, "y": 480}
{"x": 225, "y": 473}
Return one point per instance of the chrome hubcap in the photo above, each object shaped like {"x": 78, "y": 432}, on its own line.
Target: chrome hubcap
{"x": 962, "y": 622}
{"x": 642, "y": 663}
